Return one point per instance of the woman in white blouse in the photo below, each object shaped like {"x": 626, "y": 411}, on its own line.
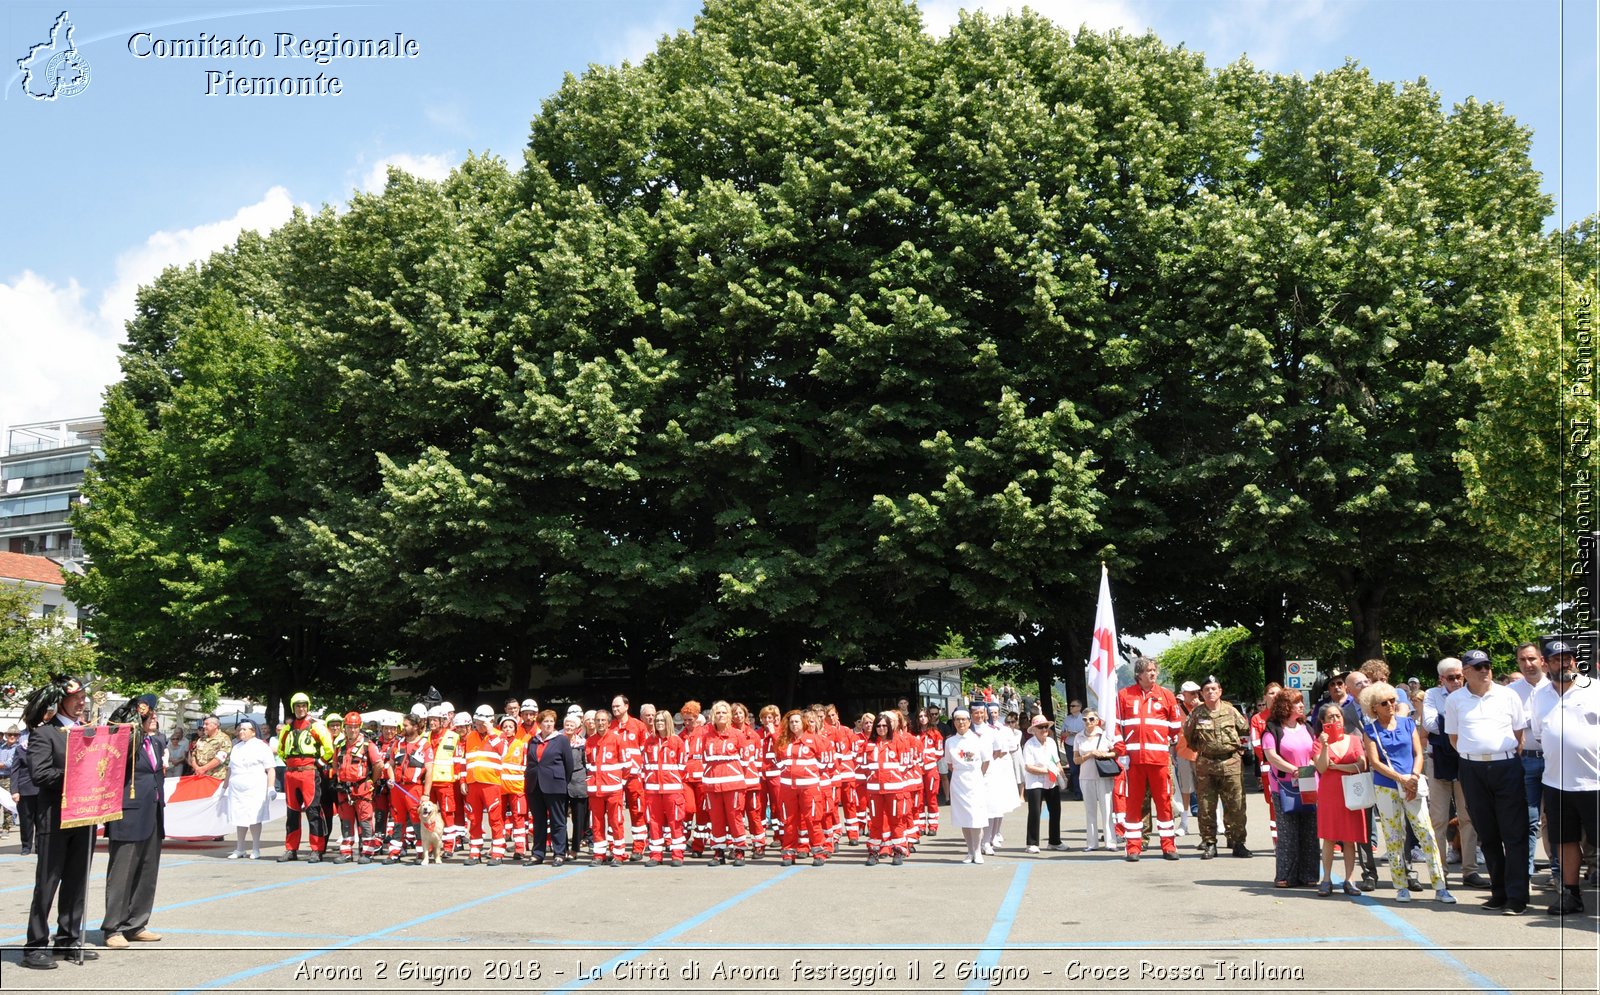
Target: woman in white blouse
{"x": 967, "y": 755}
{"x": 1042, "y": 778}
{"x": 251, "y": 767}
{"x": 1094, "y": 743}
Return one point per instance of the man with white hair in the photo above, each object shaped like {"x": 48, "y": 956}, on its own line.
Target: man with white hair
{"x": 1442, "y": 770}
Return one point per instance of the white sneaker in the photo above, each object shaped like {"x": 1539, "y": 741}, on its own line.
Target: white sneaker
{"x": 235, "y": 855}
{"x": 1402, "y": 896}
{"x": 998, "y": 839}
{"x": 1058, "y": 846}
{"x": 967, "y": 859}
{"x": 1416, "y": 855}
{"x": 256, "y": 855}
{"x": 989, "y": 850}
{"x": 1452, "y": 856}
{"x": 1090, "y": 848}
{"x": 1033, "y": 849}
{"x": 978, "y": 859}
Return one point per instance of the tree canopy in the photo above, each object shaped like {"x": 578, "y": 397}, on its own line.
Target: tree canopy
{"x": 814, "y": 337}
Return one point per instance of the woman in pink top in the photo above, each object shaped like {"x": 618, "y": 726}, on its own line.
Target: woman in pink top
{"x": 1287, "y": 745}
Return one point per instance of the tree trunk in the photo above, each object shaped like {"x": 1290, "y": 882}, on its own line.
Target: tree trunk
{"x": 1074, "y": 662}
{"x": 1366, "y": 618}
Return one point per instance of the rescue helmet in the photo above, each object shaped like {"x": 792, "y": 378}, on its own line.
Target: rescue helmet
{"x": 483, "y": 712}
{"x": 529, "y": 705}
{"x": 333, "y": 719}
{"x": 462, "y": 719}
{"x": 506, "y": 720}
{"x": 388, "y": 723}
{"x": 300, "y": 698}
{"x": 448, "y": 708}
{"x": 419, "y": 711}
{"x": 436, "y": 712}
{"x": 352, "y": 718}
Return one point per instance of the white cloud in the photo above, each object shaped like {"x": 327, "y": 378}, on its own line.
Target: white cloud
{"x": 939, "y": 16}
{"x": 140, "y": 266}
{"x": 426, "y": 166}
{"x": 57, "y": 355}
{"x": 1270, "y": 32}
{"x": 639, "y": 41}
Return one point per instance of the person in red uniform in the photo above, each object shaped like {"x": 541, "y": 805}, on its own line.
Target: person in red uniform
{"x": 722, "y": 780}
{"x": 388, "y": 736}
{"x": 1147, "y": 725}
{"x": 610, "y": 766}
{"x": 483, "y": 751}
{"x": 883, "y": 765}
{"x": 909, "y": 791}
{"x": 513, "y": 785}
{"x": 800, "y": 757}
{"x": 356, "y": 770}
{"x": 697, "y": 817}
{"x": 847, "y": 794}
{"x": 632, "y": 732}
{"x": 1258, "y": 726}
{"x": 662, "y": 773}
{"x": 409, "y": 781}
{"x": 753, "y": 758}
{"x": 444, "y": 742}
{"x": 305, "y": 746}
{"x": 932, "y": 750}
{"x": 768, "y": 799}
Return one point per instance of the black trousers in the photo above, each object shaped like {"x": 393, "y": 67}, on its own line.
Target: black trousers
{"x": 549, "y": 823}
{"x": 61, "y": 878}
{"x": 131, "y": 884}
{"x": 1498, "y": 804}
{"x": 1051, "y": 797}
{"x": 25, "y": 807}
{"x": 579, "y": 808}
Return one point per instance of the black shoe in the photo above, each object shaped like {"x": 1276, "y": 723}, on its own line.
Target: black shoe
{"x": 537, "y": 858}
{"x": 872, "y": 859}
{"x": 1208, "y": 851}
{"x": 787, "y": 861}
{"x": 341, "y": 859}
{"x": 392, "y": 861}
{"x": 1514, "y": 909}
{"x": 1412, "y": 884}
{"x": 1495, "y": 904}
{"x": 1132, "y": 857}
{"x": 1567, "y": 904}
{"x": 363, "y": 859}
{"x": 677, "y": 861}
{"x": 899, "y": 858}
{"x": 471, "y": 862}
{"x": 634, "y": 858}
{"x": 817, "y": 861}
{"x": 288, "y": 855}
{"x": 75, "y": 954}
{"x": 39, "y": 960}
{"x": 558, "y": 861}
{"x": 1368, "y": 882}
{"x": 1169, "y": 854}
{"x": 738, "y": 860}
{"x": 495, "y": 861}
{"x": 1240, "y": 850}
{"x": 313, "y": 857}
{"x": 1474, "y": 880}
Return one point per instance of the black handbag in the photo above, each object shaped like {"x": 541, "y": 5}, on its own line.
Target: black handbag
{"x": 1107, "y": 768}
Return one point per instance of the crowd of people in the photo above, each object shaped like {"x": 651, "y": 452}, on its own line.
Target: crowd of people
{"x": 1472, "y": 761}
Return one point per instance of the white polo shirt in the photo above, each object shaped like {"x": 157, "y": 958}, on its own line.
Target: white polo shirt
{"x": 1525, "y": 690}
{"x": 1568, "y": 726}
{"x": 1486, "y": 724}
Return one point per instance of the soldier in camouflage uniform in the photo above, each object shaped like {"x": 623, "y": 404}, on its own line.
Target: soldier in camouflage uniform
{"x": 1219, "y": 736}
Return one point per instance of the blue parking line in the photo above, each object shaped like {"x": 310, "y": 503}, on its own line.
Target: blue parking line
{"x": 10, "y": 940}
{"x": 303, "y": 956}
{"x": 97, "y": 876}
{"x": 676, "y": 931}
{"x": 1416, "y": 937}
{"x": 995, "y": 943}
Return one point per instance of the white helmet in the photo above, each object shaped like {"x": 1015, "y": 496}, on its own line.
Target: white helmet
{"x": 529, "y": 705}
{"x": 483, "y": 712}
{"x": 462, "y": 719}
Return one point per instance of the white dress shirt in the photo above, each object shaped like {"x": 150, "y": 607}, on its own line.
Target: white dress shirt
{"x": 1485, "y": 724}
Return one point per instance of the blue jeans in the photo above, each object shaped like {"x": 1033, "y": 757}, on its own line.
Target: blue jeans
{"x": 1533, "y": 786}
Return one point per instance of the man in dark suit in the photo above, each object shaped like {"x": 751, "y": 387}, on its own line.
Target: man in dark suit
{"x": 550, "y": 764}
{"x": 135, "y": 848}
{"x": 63, "y": 854}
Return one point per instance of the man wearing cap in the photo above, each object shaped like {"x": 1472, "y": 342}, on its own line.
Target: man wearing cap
{"x": 355, "y": 775}
{"x": 1565, "y": 722}
{"x": 1442, "y": 770}
{"x": 1486, "y": 722}
{"x": 1183, "y": 782}
{"x": 1531, "y": 663}
{"x": 304, "y": 745}
{"x": 1219, "y": 736}
{"x": 484, "y": 751}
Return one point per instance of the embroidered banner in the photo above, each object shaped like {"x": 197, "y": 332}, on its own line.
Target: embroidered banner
{"x": 96, "y": 773}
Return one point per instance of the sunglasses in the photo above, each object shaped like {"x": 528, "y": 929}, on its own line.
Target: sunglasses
{"x": 1451, "y": 677}
{"x": 1387, "y": 701}
{"x": 1479, "y": 666}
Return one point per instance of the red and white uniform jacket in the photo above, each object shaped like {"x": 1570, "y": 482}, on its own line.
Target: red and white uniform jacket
{"x": 804, "y": 762}
{"x": 609, "y": 766}
{"x": 1258, "y": 726}
{"x": 910, "y": 758}
{"x": 932, "y": 750}
{"x": 889, "y": 767}
{"x": 1147, "y": 724}
{"x": 665, "y": 765}
{"x": 694, "y": 743}
{"x": 357, "y": 765}
{"x": 408, "y": 762}
{"x": 769, "y": 763}
{"x": 633, "y": 732}
{"x": 722, "y": 753}
{"x": 751, "y": 755}
{"x": 843, "y": 744}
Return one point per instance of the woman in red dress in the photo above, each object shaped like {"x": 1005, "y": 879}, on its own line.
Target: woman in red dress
{"x": 1337, "y": 754}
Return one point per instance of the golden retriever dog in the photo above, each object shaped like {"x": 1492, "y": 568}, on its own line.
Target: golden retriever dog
{"x": 432, "y": 832}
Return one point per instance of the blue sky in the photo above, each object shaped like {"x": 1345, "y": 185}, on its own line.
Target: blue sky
{"x": 143, "y": 169}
